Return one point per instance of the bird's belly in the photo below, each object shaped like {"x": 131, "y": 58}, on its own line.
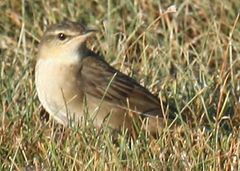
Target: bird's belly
{"x": 58, "y": 91}
{"x": 61, "y": 95}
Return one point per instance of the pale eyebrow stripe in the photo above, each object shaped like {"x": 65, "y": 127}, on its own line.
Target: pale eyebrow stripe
{"x": 65, "y": 31}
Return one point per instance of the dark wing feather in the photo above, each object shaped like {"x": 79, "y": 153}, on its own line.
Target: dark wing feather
{"x": 99, "y": 79}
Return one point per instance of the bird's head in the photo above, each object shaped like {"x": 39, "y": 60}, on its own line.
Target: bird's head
{"x": 64, "y": 41}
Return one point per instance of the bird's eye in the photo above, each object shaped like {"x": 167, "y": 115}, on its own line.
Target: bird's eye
{"x": 62, "y": 36}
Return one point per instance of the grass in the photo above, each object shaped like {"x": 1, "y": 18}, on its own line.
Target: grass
{"x": 191, "y": 58}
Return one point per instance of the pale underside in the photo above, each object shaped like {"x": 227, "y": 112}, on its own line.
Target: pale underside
{"x": 69, "y": 91}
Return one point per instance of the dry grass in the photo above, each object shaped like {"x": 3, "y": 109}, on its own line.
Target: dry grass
{"x": 190, "y": 58}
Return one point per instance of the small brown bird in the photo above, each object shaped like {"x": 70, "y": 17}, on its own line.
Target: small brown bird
{"x": 72, "y": 82}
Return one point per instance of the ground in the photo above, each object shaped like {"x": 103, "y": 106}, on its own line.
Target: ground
{"x": 189, "y": 57}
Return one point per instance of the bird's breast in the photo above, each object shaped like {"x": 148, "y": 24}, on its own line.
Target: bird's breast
{"x": 58, "y": 88}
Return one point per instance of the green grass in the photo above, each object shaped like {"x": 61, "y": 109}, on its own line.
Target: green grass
{"x": 190, "y": 58}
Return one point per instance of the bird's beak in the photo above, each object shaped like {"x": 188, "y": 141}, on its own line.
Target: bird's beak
{"x": 85, "y": 35}
{"x": 89, "y": 31}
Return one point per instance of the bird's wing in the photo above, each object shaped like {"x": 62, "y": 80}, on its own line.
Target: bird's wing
{"x": 101, "y": 81}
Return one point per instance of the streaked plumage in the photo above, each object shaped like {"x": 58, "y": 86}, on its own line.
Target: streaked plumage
{"x": 71, "y": 79}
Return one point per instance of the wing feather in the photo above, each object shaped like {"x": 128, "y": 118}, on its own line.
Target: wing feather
{"x": 99, "y": 79}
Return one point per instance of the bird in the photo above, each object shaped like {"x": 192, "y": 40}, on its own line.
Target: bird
{"x": 73, "y": 83}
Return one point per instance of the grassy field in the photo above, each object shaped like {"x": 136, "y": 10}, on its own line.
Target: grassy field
{"x": 190, "y": 58}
